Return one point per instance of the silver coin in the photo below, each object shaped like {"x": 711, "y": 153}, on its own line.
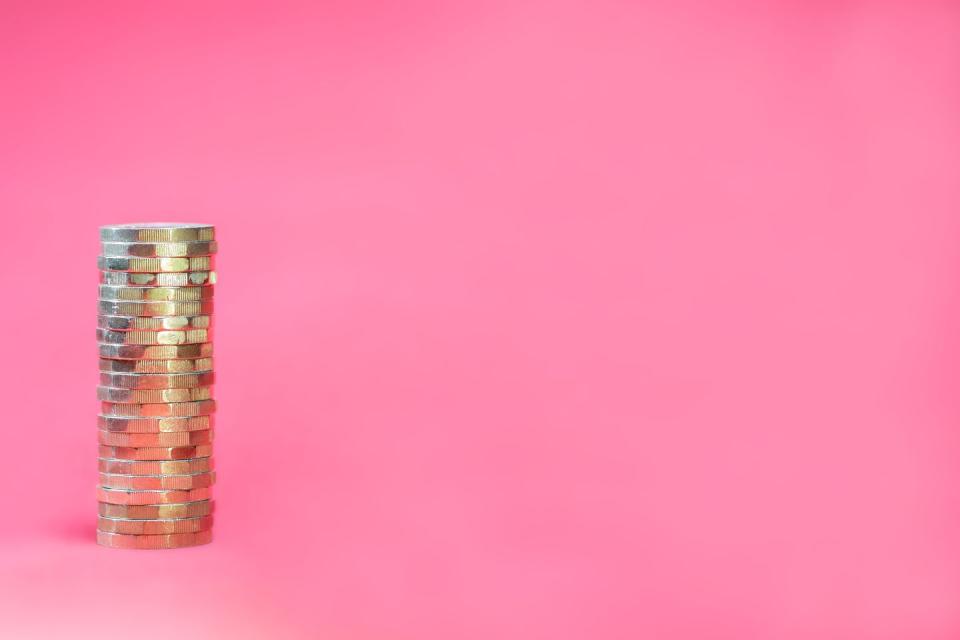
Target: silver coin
{"x": 155, "y": 294}
{"x": 159, "y": 249}
{"x": 189, "y": 336}
{"x": 154, "y": 308}
{"x": 156, "y": 232}
{"x": 181, "y": 279}
{"x": 156, "y": 380}
{"x": 155, "y": 265}
{"x": 154, "y": 323}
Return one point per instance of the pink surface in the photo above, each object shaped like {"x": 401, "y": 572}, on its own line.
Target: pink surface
{"x": 536, "y": 320}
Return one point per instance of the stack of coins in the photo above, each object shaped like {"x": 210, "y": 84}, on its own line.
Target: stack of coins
{"x": 154, "y": 332}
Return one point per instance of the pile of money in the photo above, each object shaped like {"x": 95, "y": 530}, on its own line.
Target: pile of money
{"x": 154, "y": 334}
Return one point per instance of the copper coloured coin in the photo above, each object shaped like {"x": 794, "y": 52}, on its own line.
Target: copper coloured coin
{"x": 160, "y": 410}
{"x": 148, "y": 396}
{"x": 172, "y": 541}
{"x": 156, "y": 511}
{"x": 154, "y": 527}
{"x": 141, "y": 483}
{"x": 155, "y": 453}
{"x": 155, "y": 467}
{"x": 156, "y": 366}
{"x": 164, "y": 496}
{"x": 157, "y": 380}
{"x": 163, "y": 439}
{"x": 121, "y": 424}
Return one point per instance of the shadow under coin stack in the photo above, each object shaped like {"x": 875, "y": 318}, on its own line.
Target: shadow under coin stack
{"x": 156, "y": 385}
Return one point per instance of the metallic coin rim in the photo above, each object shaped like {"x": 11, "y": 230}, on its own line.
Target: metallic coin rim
{"x": 156, "y": 467}
{"x": 161, "y": 511}
{"x": 152, "y": 496}
{"x": 148, "y": 542}
{"x": 184, "y": 380}
{"x": 193, "y": 351}
{"x": 160, "y": 232}
{"x": 160, "y": 439}
{"x": 186, "y": 249}
{"x": 123, "y": 293}
{"x": 130, "y": 264}
{"x": 154, "y": 454}
{"x": 154, "y": 323}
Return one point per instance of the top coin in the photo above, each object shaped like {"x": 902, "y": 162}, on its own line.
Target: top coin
{"x": 156, "y": 232}
{"x": 187, "y": 248}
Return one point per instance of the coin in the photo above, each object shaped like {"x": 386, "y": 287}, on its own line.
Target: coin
{"x": 154, "y": 467}
{"x": 154, "y": 323}
{"x": 154, "y": 308}
{"x": 155, "y": 265}
{"x": 191, "y": 336}
{"x": 163, "y": 496}
{"x": 157, "y": 380}
{"x": 156, "y": 352}
{"x": 150, "y": 396}
{"x": 156, "y": 511}
{"x": 156, "y": 366}
{"x": 154, "y": 527}
{"x": 159, "y": 249}
{"x": 156, "y": 294}
{"x": 160, "y": 410}
{"x": 156, "y": 232}
{"x": 155, "y": 453}
{"x": 162, "y": 439}
{"x": 154, "y": 425}
{"x": 172, "y": 541}
{"x": 182, "y": 279}
{"x": 184, "y": 482}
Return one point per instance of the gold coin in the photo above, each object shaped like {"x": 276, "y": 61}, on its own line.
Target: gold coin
{"x": 156, "y": 294}
{"x": 156, "y": 232}
{"x": 154, "y": 323}
{"x": 182, "y": 279}
{"x": 162, "y": 439}
{"x": 157, "y": 380}
{"x": 156, "y": 352}
{"x": 154, "y": 527}
{"x": 142, "y": 483}
{"x": 160, "y": 410}
{"x": 156, "y": 366}
{"x": 151, "y": 396}
{"x": 192, "y": 336}
{"x": 155, "y": 467}
{"x": 159, "y": 249}
{"x": 154, "y": 308}
{"x": 155, "y": 453}
{"x": 172, "y": 541}
{"x": 163, "y": 496}
{"x": 154, "y": 425}
{"x": 155, "y": 265}
{"x": 156, "y": 511}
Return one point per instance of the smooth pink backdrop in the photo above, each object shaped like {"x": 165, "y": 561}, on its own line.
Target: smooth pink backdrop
{"x": 536, "y": 319}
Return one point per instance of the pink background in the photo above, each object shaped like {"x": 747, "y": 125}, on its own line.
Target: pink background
{"x": 536, "y": 320}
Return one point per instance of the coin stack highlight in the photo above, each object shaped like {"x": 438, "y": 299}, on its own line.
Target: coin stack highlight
{"x": 154, "y": 334}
